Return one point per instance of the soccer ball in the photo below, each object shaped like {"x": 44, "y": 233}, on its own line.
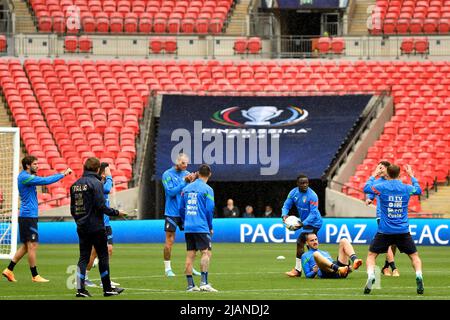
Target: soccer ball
{"x": 292, "y": 223}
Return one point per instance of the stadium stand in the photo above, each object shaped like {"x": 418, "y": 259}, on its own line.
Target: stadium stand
{"x": 411, "y": 16}
{"x": 125, "y": 16}
{"x": 72, "y": 96}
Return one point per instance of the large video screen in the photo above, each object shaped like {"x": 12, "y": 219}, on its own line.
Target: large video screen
{"x": 256, "y": 138}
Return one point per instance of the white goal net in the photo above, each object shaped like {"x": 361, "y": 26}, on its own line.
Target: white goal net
{"x": 9, "y": 194}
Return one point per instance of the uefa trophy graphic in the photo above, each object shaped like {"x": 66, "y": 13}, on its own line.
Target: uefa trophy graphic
{"x": 261, "y": 115}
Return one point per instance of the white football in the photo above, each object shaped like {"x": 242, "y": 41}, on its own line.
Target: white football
{"x": 292, "y": 223}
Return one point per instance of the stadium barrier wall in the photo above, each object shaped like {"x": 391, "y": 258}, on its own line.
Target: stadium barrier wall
{"x": 254, "y": 230}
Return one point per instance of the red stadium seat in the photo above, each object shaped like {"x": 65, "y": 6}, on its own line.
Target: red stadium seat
{"x": 116, "y": 22}
{"x": 421, "y": 45}
{"x": 102, "y": 23}
{"x": 170, "y": 45}
{"x": 407, "y": 46}
{"x": 85, "y": 44}
{"x": 70, "y": 44}
{"x": 337, "y": 45}
{"x": 240, "y": 45}
{"x": 88, "y": 23}
{"x": 156, "y": 45}
{"x": 254, "y": 45}
{"x": 3, "y": 43}
{"x": 131, "y": 22}
{"x": 324, "y": 44}
{"x": 145, "y": 23}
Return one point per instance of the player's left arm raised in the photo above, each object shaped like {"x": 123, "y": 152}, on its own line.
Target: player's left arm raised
{"x": 415, "y": 189}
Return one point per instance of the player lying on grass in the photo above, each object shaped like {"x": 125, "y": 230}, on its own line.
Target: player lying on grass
{"x": 319, "y": 263}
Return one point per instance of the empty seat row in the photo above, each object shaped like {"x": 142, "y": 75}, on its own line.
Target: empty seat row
{"x": 190, "y": 19}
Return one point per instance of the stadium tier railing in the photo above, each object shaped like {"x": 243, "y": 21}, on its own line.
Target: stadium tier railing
{"x": 356, "y": 135}
{"x": 146, "y": 127}
{"x": 223, "y": 46}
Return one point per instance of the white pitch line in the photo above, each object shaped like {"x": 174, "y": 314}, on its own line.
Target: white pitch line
{"x": 249, "y": 273}
{"x": 282, "y": 292}
{"x": 216, "y": 274}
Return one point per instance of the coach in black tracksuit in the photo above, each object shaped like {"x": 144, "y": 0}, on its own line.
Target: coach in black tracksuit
{"x": 87, "y": 207}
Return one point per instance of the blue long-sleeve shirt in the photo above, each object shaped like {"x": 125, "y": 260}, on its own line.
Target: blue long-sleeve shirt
{"x": 393, "y": 196}
{"x": 173, "y": 182}
{"x": 308, "y": 263}
{"x": 27, "y": 191}
{"x": 197, "y": 207}
{"x": 307, "y": 204}
{"x": 107, "y": 186}
{"x": 373, "y": 196}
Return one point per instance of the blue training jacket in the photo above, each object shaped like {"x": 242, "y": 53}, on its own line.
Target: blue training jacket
{"x": 27, "y": 191}
{"x": 173, "y": 182}
{"x": 197, "y": 207}
{"x": 372, "y": 196}
{"x": 107, "y": 186}
{"x": 307, "y": 205}
{"x": 308, "y": 263}
{"x": 393, "y": 196}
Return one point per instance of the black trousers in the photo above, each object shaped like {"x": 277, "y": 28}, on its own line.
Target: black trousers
{"x": 99, "y": 241}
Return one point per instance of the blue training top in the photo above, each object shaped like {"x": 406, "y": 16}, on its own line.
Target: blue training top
{"x": 173, "y": 182}
{"x": 307, "y": 205}
{"x": 27, "y": 191}
{"x": 308, "y": 263}
{"x": 394, "y": 197}
{"x": 372, "y": 196}
{"x": 197, "y": 207}
{"x": 107, "y": 186}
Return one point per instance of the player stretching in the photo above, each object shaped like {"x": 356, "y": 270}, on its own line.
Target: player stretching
{"x": 394, "y": 226}
{"x": 319, "y": 263}
{"x": 174, "y": 180}
{"x": 28, "y": 216}
{"x": 389, "y": 262}
{"x": 307, "y": 202}
{"x": 196, "y": 212}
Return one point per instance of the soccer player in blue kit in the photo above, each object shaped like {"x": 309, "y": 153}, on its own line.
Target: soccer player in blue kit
{"x": 393, "y": 228}
{"x": 196, "y": 212}
{"x": 307, "y": 203}
{"x": 319, "y": 263}
{"x": 389, "y": 262}
{"x": 174, "y": 180}
{"x": 28, "y": 216}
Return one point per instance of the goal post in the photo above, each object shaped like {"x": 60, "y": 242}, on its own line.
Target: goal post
{"x": 9, "y": 193}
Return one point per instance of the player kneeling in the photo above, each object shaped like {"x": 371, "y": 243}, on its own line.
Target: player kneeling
{"x": 319, "y": 262}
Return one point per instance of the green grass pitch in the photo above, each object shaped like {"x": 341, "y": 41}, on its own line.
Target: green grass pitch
{"x": 238, "y": 271}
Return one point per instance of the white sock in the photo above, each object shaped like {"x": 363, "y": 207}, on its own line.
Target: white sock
{"x": 298, "y": 264}
{"x": 167, "y": 265}
{"x": 418, "y": 274}
{"x": 371, "y": 274}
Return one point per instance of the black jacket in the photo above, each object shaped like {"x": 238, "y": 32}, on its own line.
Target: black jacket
{"x": 87, "y": 203}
